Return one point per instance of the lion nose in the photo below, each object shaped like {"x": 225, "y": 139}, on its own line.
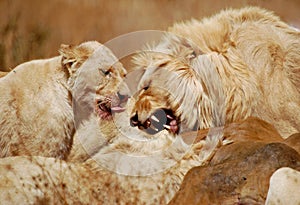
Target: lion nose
{"x": 122, "y": 97}
{"x": 147, "y": 124}
{"x": 134, "y": 120}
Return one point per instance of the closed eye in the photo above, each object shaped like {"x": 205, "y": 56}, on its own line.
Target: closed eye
{"x": 106, "y": 72}
{"x": 146, "y": 85}
{"x": 163, "y": 64}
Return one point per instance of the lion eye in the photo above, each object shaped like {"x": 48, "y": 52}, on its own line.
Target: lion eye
{"x": 146, "y": 85}
{"x": 163, "y": 64}
{"x": 106, "y": 72}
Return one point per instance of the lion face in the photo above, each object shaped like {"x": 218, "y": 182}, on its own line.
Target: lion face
{"x": 179, "y": 90}
{"x": 159, "y": 97}
{"x": 100, "y": 78}
{"x": 109, "y": 95}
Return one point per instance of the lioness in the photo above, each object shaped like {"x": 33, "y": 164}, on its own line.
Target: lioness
{"x": 249, "y": 52}
{"x": 36, "y": 116}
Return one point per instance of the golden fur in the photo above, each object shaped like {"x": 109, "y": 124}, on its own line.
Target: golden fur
{"x": 105, "y": 177}
{"x": 239, "y": 172}
{"x": 99, "y": 173}
{"x": 98, "y": 144}
{"x": 242, "y": 62}
{"x": 36, "y": 116}
{"x": 2, "y": 74}
{"x": 38, "y": 180}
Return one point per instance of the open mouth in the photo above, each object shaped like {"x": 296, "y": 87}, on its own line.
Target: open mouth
{"x": 159, "y": 120}
{"x": 105, "y": 108}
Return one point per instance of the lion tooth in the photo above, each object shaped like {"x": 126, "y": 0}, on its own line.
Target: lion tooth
{"x": 169, "y": 116}
{"x": 154, "y": 128}
{"x": 167, "y": 126}
{"x": 154, "y": 118}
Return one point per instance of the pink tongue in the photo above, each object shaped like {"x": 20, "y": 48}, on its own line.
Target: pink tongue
{"x": 117, "y": 109}
{"x": 173, "y": 126}
{"x": 173, "y": 122}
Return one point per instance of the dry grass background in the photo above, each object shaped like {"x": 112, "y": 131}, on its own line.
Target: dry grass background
{"x": 31, "y": 29}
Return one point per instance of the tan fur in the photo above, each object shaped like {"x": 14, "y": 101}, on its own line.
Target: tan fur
{"x": 284, "y": 187}
{"x": 151, "y": 180}
{"x": 247, "y": 54}
{"x": 90, "y": 182}
{"x": 36, "y": 116}
{"x": 239, "y": 172}
{"x": 39, "y": 180}
{"x": 2, "y": 74}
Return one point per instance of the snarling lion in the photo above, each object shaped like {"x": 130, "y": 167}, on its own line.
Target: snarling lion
{"x": 36, "y": 116}
{"x": 250, "y": 53}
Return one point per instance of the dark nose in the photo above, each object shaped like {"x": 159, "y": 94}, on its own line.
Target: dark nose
{"x": 122, "y": 97}
{"x": 134, "y": 121}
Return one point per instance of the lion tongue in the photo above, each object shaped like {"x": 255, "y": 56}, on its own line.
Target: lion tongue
{"x": 117, "y": 109}
{"x": 173, "y": 126}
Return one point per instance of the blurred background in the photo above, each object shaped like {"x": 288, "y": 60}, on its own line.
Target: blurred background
{"x": 32, "y": 29}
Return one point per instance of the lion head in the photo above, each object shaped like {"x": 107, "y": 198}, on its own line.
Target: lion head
{"x": 99, "y": 78}
{"x": 176, "y": 88}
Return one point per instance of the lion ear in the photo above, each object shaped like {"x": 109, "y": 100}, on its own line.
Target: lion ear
{"x": 69, "y": 57}
{"x": 185, "y": 48}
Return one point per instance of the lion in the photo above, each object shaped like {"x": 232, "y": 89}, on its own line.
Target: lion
{"x": 114, "y": 163}
{"x": 108, "y": 156}
{"x": 249, "y": 52}
{"x": 36, "y": 104}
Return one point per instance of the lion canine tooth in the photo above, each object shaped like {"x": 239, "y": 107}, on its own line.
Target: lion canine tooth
{"x": 169, "y": 116}
{"x": 167, "y": 126}
{"x": 154, "y": 128}
{"x": 154, "y": 118}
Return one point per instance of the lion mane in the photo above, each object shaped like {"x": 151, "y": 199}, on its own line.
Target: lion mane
{"x": 244, "y": 62}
